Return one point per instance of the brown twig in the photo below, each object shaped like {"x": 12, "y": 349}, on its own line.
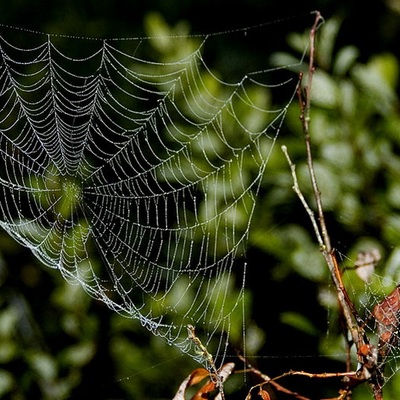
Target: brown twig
{"x": 351, "y": 378}
{"x": 347, "y": 306}
{"x": 202, "y": 350}
{"x": 305, "y": 102}
{"x": 352, "y": 320}
{"x": 367, "y": 367}
{"x": 271, "y": 381}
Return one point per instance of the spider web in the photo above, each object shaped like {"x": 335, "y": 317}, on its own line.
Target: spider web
{"x": 137, "y": 179}
{"x": 373, "y": 287}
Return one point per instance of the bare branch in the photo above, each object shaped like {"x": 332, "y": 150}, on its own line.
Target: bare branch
{"x": 202, "y": 350}
{"x": 305, "y": 101}
{"x": 367, "y": 365}
{"x": 300, "y": 195}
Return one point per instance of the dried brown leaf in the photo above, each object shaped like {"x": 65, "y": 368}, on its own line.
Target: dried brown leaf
{"x": 195, "y": 377}
{"x": 264, "y": 394}
{"x": 203, "y": 393}
{"x": 223, "y": 374}
{"x": 386, "y": 312}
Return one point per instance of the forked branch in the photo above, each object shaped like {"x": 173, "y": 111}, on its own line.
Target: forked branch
{"x": 367, "y": 367}
{"x": 319, "y": 226}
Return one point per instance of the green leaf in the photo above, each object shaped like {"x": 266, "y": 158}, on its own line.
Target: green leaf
{"x": 299, "y": 321}
{"x": 326, "y": 39}
{"x": 8, "y": 322}
{"x": 375, "y": 84}
{"x": 8, "y": 350}
{"x": 6, "y": 382}
{"x": 325, "y": 90}
{"x": 80, "y": 354}
{"x": 387, "y": 66}
{"x": 344, "y": 60}
{"x": 43, "y": 364}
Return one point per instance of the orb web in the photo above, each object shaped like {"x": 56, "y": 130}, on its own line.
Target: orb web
{"x": 137, "y": 178}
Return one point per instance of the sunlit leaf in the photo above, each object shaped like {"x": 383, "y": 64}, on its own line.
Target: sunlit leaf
{"x": 299, "y": 322}
{"x": 325, "y": 90}
{"x": 6, "y": 382}
{"x": 345, "y": 59}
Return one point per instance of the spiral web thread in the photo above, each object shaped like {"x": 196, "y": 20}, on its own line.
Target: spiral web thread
{"x": 134, "y": 178}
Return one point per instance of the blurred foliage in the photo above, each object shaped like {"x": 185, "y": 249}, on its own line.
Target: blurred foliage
{"x": 55, "y": 342}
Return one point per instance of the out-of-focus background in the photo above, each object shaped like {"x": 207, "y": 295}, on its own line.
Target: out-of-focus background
{"x": 56, "y": 342}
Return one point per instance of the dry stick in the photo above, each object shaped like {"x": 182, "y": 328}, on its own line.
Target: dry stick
{"x": 353, "y": 321}
{"x": 347, "y": 306}
{"x": 300, "y": 195}
{"x": 324, "y": 375}
{"x": 349, "y": 310}
{"x": 323, "y": 240}
{"x": 305, "y": 102}
{"x": 208, "y": 357}
{"x": 267, "y": 380}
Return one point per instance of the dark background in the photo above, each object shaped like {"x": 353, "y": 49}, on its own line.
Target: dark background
{"x": 371, "y": 27}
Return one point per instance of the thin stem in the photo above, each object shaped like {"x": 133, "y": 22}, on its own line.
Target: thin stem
{"x": 353, "y": 321}
{"x": 321, "y": 229}
{"x": 305, "y": 102}
{"x": 208, "y": 357}
{"x": 300, "y": 195}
